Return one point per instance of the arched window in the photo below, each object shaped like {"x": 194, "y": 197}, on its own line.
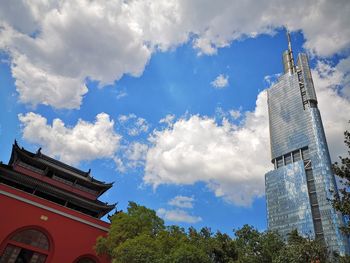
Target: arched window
{"x": 30, "y": 245}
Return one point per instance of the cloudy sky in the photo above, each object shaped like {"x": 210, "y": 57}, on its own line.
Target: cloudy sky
{"x": 166, "y": 98}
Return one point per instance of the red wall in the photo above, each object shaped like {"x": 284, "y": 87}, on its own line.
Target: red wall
{"x": 71, "y": 238}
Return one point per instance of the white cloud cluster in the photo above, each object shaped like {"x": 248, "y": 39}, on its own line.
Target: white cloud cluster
{"x": 220, "y": 82}
{"x": 182, "y": 201}
{"x": 56, "y": 45}
{"x": 235, "y": 114}
{"x": 231, "y": 160}
{"x": 168, "y": 119}
{"x": 132, "y": 156}
{"x": 73, "y": 40}
{"x": 84, "y": 141}
{"x": 333, "y": 90}
{"x": 134, "y": 125}
{"x": 178, "y": 215}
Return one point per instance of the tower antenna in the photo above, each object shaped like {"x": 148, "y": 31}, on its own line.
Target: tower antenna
{"x": 289, "y": 42}
{"x": 288, "y": 60}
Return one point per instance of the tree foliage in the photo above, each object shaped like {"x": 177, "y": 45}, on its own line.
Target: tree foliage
{"x": 341, "y": 202}
{"x": 300, "y": 250}
{"x": 140, "y": 236}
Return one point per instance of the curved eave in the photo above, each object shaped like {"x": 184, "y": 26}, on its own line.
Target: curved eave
{"x": 55, "y": 165}
{"x": 105, "y": 189}
{"x": 17, "y": 177}
{"x": 46, "y": 160}
{"x": 103, "y": 186}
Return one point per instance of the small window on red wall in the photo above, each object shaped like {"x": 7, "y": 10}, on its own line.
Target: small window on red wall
{"x": 30, "y": 245}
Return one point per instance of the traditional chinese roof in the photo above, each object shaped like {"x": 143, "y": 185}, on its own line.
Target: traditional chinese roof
{"x": 45, "y": 163}
{"x": 11, "y": 177}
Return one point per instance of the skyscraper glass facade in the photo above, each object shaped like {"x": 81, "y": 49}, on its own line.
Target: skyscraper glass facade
{"x": 299, "y": 188}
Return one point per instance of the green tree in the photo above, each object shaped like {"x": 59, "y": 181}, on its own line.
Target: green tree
{"x": 171, "y": 238}
{"x": 140, "y": 249}
{"x": 256, "y": 247}
{"x": 223, "y": 249}
{"x": 248, "y": 244}
{"x": 301, "y": 250}
{"x": 271, "y": 244}
{"x": 220, "y": 248}
{"x": 139, "y": 236}
{"x": 138, "y": 220}
{"x": 342, "y": 169}
{"x": 188, "y": 253}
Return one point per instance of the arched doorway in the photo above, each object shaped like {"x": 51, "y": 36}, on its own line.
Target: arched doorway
{"x": 26, "y": 246}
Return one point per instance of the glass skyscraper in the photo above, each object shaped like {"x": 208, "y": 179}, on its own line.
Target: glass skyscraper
{"x": 299, "y": 188}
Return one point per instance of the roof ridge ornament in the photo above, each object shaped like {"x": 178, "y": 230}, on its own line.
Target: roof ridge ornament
{"x": 38, "y": 152}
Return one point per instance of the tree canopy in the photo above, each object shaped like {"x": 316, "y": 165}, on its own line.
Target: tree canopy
{"x": 140, "y": 236}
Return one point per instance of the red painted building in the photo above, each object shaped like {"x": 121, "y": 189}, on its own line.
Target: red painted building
{"x": 50, "y": 211}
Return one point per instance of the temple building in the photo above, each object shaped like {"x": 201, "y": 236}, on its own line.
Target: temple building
{"x": 50, "y": 211}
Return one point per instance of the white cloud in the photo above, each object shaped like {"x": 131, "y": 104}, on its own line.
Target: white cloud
{"x": 272, "y": 79}
{"x": 168, "y": 119}
{"x": 50, "y": 89}
{"x": 137, "y": 151}
{"x": 230, "y": 160}
{"x": 135, "y": 154}
{"x": 182, "y": 201}
{"x": 178, "y": 215}
{"x": 121, "y": 94}
{"x": 84, "y": 141}
{"x": 130, "y": 156}
{"x": 75, "y": 40}
{"x": 344, "y": 68}
{"x": 119, "y": 164}
{"x": 56, "y": 45}
{"x": 220, "y": 82}
{"x": 235, "y": 114}
{"x": 134, "y": 125}
{"x": 125, "y": 118}
{"x": 332, "y": 87}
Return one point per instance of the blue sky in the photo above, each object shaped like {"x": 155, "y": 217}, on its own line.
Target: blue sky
{"x": 166, "y": 100}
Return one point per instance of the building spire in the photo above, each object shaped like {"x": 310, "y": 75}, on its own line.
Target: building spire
{"x": 288, "y": 60}
{"x": 289, "y": 42}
